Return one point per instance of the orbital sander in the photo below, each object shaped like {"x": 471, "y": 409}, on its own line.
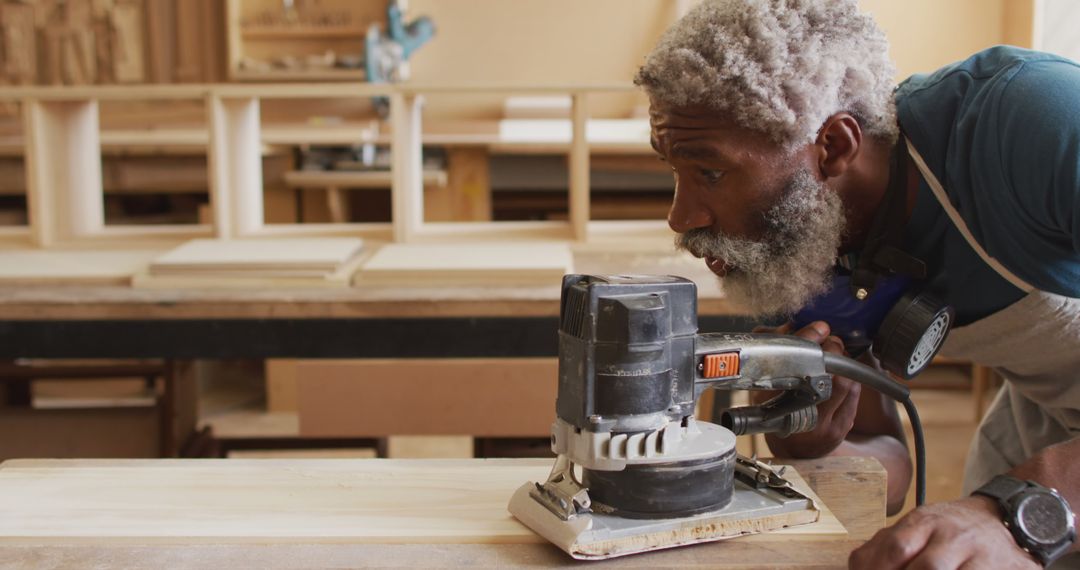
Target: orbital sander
{"x": 634, "y": 470}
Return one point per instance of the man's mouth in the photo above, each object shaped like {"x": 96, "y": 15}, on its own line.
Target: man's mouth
{"x": 716, "y": 265}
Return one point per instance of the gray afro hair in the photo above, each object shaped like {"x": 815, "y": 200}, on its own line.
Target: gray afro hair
{"x": 778, "y": 67}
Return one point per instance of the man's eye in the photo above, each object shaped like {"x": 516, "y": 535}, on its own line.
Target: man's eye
{"x": 712, "y": 176}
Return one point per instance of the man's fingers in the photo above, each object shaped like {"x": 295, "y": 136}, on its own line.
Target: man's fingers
{"x": 836, "y": 416}
{"x": 833, "y": 344}
{"x": 891, "y": 547}
{"x": 939, "y": 553}
{"x": 816, "y": 331}
{"x": 782, "y": 329}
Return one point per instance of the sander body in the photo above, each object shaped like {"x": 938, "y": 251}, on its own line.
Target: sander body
{"x": 634, "y": 470}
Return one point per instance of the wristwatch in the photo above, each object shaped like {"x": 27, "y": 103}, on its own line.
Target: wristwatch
{"x": 1038, "y": 517}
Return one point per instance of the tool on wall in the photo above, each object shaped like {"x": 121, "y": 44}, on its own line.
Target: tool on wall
{"x": 386, "y": 56}
{"x": 635, "y": 471}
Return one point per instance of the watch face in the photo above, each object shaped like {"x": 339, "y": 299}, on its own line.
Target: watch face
{"x": 1042, "y": 517}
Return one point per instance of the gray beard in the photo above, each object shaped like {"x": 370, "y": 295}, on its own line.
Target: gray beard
{"x": 792, "y": 263}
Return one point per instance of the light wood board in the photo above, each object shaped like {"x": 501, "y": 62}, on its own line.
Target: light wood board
{"x": 261, "y": 302}
{"x": 320, "y": 501}
{"x": 427, "y": 264}
{"x": 257, "y": 255}
{"x": 75, "y": 267}
{"x": 495, "y": 397}
{"x": 250, "y": 280}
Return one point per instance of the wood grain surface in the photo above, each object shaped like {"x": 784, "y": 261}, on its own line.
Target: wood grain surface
{"x": 332, "y": 513}
{"x": 53, "y": 299}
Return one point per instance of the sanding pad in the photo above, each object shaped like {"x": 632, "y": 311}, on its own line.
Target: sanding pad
{"x": 597, "y": 536}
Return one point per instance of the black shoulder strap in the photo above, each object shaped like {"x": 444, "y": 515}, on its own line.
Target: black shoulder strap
{"x": 881, "y": 254}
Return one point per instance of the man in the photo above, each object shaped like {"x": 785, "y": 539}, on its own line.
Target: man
{"x": 778, "y": 119}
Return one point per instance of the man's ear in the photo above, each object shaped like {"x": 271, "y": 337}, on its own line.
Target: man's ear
{"x": 838, "y": 143}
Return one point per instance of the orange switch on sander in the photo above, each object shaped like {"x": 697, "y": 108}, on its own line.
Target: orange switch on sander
{"x": 720, "y": 365}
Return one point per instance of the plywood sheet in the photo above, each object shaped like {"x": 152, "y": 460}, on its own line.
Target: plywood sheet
{"x": 314, "y": 501}
{"x": 75, "y": 267}
{"x": 498, "y": 397}
{"x": 260, "y": 264}
{"x": 256, "y": 255}
{"x": 433, "y": 264}
{"x": 276, "y": 279}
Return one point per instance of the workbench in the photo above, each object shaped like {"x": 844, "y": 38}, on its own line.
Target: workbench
{"x": 58, "y": 320}
{"x": 357, "y": 513}
{"x": 62, "y": 321}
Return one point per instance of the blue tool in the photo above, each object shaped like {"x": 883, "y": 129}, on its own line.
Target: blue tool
{"x": 855, "y": 322}
{"x": 386, "y": 55}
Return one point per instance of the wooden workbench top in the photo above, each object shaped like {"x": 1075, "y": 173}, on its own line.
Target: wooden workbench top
{"x": 329, "y": 513}
{"x": 44, "y": 301}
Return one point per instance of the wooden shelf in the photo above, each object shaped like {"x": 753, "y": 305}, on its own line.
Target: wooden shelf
{"x": 301, "y": 75}
{"x": 302, "y": 32}
{"x": 354, "y": 179}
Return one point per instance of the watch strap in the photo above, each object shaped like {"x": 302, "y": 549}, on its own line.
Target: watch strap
{"x": 1001, "y": 488}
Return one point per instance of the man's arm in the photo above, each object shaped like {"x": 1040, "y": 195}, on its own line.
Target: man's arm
{"x": 969, "y": 533}
{"x": 855, "y": 421}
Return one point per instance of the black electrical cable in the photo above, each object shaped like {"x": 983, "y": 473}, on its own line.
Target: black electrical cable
{"x": 920, "y": 451}
{"x": 863, "y": 374}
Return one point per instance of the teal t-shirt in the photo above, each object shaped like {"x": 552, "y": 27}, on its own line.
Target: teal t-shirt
{"x": 1001, "y": 131}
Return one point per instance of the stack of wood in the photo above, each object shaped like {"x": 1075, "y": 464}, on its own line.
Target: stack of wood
{"x": 301, "y": 262}
{"x": 72, "y": 42}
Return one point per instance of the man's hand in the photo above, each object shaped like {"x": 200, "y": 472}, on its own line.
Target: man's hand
{"x": 967, "y": 533}
{"x": 835, "y": 417}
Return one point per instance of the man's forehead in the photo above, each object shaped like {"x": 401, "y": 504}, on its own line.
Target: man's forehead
{"x": 688, "y": 117}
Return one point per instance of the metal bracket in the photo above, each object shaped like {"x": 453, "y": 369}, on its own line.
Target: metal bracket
{"x": 562, "y": 493}
{"x": 761, "y": 475}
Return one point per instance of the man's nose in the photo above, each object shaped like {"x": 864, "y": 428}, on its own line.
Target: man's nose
{"x": 687, "y": 212}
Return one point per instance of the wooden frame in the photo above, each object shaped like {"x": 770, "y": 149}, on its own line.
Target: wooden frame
{"x": 62, "y": 145}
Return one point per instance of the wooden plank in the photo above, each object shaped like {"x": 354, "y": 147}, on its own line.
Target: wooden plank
{"x": 344, "y": 89}
{"x": 435, "y": 300}
{"x": 503, "y": 397}
{"x": 429, "y": 447}
{"x": 493, "y": 232}
{"x": 420, "y": 264}
{"x": 408, "y": 187}
{"x": 165, "y": 65}
{"x": 281, "y": 385}
{"x": 281, "y": 501}
{"x": 627, "y": 236}
{"x": 246, "y": 281}
{"x": 320, "y": 255}
{"x": 233, "y": 47}
{"x": 235, "y": 163}
{"x": 19, "y": 43}
{"x": 821, "y": 554}
{"x": 835, "y": 479}
{"x": 355, "y": 179}
{"x": 73, "y": 267}
{"x": 63, "y": 167}
{"x": 180, "y": 406}
{"x": 88, "y": 432}
{"x": 128, "y": 45}
{"x": 197, "y": 40}
{"x": 466, "y": 195}
{"x": 579, "y": 168}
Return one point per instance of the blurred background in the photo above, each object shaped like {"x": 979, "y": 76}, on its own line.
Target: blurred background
{"x": 486, "y": 155}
